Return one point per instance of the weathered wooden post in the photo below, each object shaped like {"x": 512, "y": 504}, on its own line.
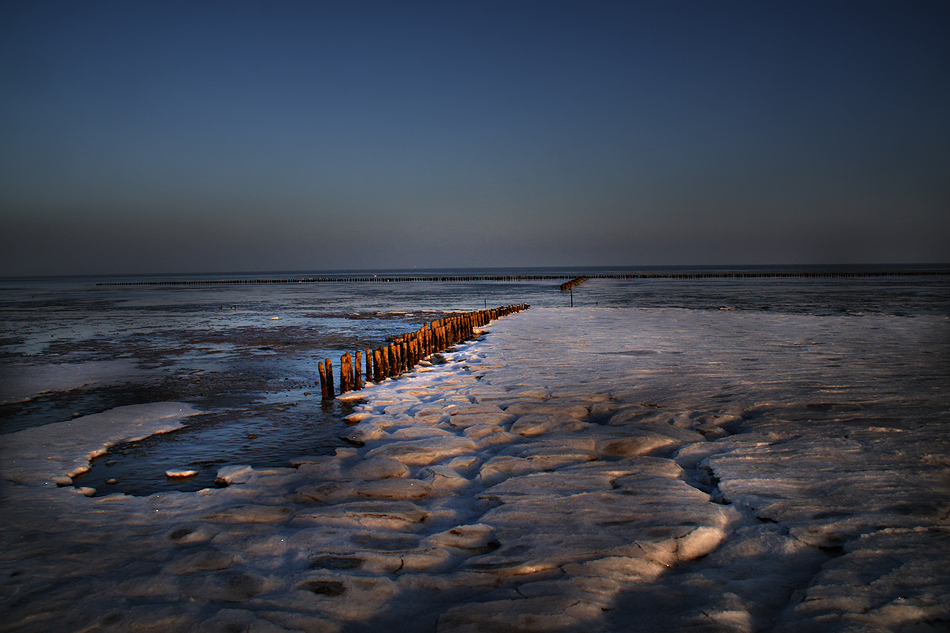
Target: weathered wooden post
{"x": 323, "y": 381}
{"x": 369, "y": 365}
{"x": 377, "y": 365}
{"x": 358, "y": 371}
{"x": 346, "y": 372}
{"x": 343, "y": 385}
{"x": 329, "y": 370}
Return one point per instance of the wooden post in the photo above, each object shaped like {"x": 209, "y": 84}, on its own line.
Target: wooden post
{"x": 377, "y": 366}
{"x": 323, "y": 381}
{"x": 343, "y": 385}
{"x": 405, "y": 351}
{"x": 346, "y": 373}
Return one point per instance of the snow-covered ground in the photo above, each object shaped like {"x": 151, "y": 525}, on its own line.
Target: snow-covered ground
{"x": 587, "y": 469}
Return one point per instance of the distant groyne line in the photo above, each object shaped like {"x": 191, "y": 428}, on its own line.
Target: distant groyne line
{"x": 569, "y": 285}
{"x": 443, "y": 278}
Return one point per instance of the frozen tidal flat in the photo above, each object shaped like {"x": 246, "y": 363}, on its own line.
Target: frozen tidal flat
{"x": 574, "y": 470}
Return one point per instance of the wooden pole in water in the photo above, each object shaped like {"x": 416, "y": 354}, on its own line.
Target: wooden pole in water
{"x": 323, "y": 380}
{"x": 343, "y": 385}
{"x": 377, "y": 366}
{"x": 346, "y": 373}
{"x": 407, "y": 350}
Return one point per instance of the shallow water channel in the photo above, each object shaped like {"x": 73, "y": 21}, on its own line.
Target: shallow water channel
{"x": 264, "y": 434}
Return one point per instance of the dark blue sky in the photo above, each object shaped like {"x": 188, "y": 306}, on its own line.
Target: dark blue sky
{"x": 204, "y": 136}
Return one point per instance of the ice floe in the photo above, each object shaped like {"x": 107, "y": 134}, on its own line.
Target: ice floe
{"x": 46, "y": 454}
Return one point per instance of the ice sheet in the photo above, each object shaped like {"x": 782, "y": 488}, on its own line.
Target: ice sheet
{"x": 41, "y": 454}
{"x": 587, "y": 469}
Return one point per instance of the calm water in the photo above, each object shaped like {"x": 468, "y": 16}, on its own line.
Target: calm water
{"x": 246, "y": 355}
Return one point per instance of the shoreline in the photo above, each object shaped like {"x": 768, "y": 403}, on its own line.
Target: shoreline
{"x": 590, "y": 469}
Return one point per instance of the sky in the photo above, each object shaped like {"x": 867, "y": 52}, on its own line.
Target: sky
{"x": 165, "y": 137}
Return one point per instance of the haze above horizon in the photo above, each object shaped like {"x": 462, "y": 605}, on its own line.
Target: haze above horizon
{"x": 175, "y": 137}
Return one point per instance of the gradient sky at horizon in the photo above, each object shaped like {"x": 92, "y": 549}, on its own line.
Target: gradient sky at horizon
{"x": 153, "y": 137}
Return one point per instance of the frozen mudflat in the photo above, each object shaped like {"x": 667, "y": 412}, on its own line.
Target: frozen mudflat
{"x": 586, "y": 469}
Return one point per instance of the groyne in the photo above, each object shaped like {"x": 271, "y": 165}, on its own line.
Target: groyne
{"x": 406, "y": 351}
{"x": 570, "y": 285}
{"x": 346, "y": 279}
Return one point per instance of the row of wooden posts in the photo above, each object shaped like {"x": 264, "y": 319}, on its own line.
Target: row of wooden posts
{"x": 335, "y": 279}
{"x": 405, "y": 351}
{"x": 640, "y": 275}
{"x": 569, "y": 285}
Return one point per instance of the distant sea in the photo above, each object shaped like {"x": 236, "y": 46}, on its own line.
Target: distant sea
{"x": 245, "y": 353}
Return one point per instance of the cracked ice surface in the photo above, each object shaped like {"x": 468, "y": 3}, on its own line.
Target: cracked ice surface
{"x": 575, "y": 470}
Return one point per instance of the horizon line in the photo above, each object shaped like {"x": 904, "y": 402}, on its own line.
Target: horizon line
{"x": 414, "y": 271}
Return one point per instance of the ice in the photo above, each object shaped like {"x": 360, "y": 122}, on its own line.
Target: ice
{"x": 38, "y": 455}
{"x": 423, "y": 452}
{"x": 875, "y": 585}
{"x": 535, "y": 424}
{"x": 397, "y": 488}
{"x": 378, "y": 468}
{"x": 180, "y": 473}
{"x": 236, "y": 474}
{"x": 585, "y": 469}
